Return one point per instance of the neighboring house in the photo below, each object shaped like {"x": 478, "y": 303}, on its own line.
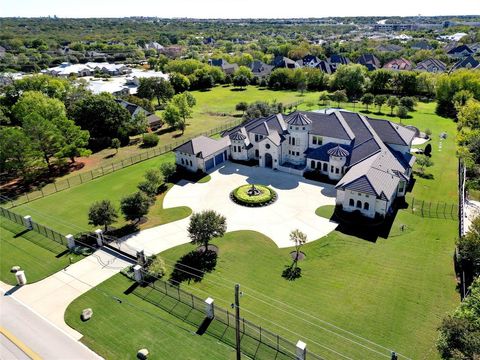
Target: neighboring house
{"x": 326, "y": 66}
{"x": 336, "y": 60}
{"x": 154, "y": 122}
{"x": 310, "y": 61}
{"x": 173, "y": 51}
{"x": 284, "y": 62}
{"x": 431, "y": 65}
{"x": 260, "y": 69}
{"x": 209, "y": 41}
{"x": 90, "y": 68}
{"x": 370, "y": 159}
{"x": 95, "y": 55}
{"x": 227, "y": 68}
{"x": 475, "y": 48}
{"x": 460, "y": 51}
{"x": 467, "y": 63}
{"x": 398, "y": 64}
{"x": 153, "y": 45}
{"x": 421, "y": 45}
{"x": 202, "y": 153}
{"x": 389, "y": 48}
{"x": 370, "y": 61}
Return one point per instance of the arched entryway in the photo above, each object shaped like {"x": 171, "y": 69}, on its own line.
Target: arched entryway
{"x": 268, "y": 160}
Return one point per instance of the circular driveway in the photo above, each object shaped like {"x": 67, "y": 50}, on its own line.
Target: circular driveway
{"x": 298, "y": 199}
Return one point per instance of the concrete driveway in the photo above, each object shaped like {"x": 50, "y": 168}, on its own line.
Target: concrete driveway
{"x": 298, "y": 199}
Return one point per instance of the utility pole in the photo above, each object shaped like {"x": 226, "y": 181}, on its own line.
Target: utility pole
{"x": 237, "y": 320}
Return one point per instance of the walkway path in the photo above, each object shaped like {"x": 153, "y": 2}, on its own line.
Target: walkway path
{"x": 51, "y": 296}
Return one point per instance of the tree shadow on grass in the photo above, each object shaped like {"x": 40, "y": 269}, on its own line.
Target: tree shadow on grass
{"x": 423, "y": 175}
{"x": 193, "y": 265}
{"x": 292, "y": 271}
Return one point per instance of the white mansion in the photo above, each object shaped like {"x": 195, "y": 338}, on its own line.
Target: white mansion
{"x": 370, "y": 158}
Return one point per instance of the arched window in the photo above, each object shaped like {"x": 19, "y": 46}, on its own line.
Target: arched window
{"x": 257, "y": 153}
{"x": 366, "y": 206}
{"x": 352, "y": 202}
{"x": 183, "y": 162}
{"x": 359, "y": 204}
{"x": 325, "y": 167}
{"x": 312, "y": 164}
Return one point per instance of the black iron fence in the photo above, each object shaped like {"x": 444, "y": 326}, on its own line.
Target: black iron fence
{"x": 256, "y": 341}
{"x": 58, "y": 243}
{"x": 82, "y": 178}
{"x": 432, "y": 209}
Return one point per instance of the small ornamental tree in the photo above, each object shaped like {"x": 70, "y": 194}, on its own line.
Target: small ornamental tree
{"x": 206, "y": 225}
{"x": 135, "y": 206}
{"x": 380, "y": 101}
{"x": 299, "y": 239}
{"x": 402, "y": 112}
{"x": 115, "y": 145}
{"x": 339, "y": 96}
{"x": 392, "y": 102}
{"x": 168, "y": 170}
{"x": 102, "y": 213}
{"x": 367, "y": 100}
{"x": 424, "y": 162}
{"x": 323, "y": 97}
{"x": 409, "y": 102}
{"x": 241, "y": 106}
{"x": 153, "y": 181}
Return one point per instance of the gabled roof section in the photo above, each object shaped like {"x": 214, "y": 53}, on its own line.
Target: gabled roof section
{"x": 261, "y": 129}
{"x": 298, "y": 119}
{"x": 330, "y": 125}
{"x": 392, "y": 133}
{"x": 203, "y": 146}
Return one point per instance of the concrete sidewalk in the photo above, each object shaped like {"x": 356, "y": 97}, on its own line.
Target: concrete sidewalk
{"x": 51, "y": 296}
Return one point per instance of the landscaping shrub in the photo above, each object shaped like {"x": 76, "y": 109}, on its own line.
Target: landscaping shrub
{"x": 168, "y": 170}
{"x": 156, "y": 267}
{"x": 240, "y": 194}
{"x": 150, "y": 140}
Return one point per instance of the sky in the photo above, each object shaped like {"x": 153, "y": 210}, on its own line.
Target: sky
{"x": 235, "y": 9}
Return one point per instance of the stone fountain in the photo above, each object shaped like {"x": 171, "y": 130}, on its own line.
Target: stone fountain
{"x": 253, "y": 191}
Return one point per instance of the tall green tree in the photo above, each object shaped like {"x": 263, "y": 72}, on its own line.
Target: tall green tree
{"x": 392, "y": 102}
{"x": 367, "y": 99}
{"x": 16, "y": 152}
{"x": 102, "y": 213}
{"x": 352, "y": 78}
{"x": 380, "y": 101}
{"x": 135, "y": 206}
{"x": 206, "y": 225}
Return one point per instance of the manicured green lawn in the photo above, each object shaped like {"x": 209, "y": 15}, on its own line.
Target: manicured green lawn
{"x": 393, "y": 292}
{"x": 37, "y": 255}
{"x": 118, "y": 330}
{"x": 325, "y": 211}
{"x": 157, "y": 215}
{"x": 67, "y": 211}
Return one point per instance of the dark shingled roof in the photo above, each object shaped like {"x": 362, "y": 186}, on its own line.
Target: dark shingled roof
{"x": 362, "y": 185}
{"x": 237, "y": 136}
{"x": 328, "y": 125}
{"x": 298, "y": 119}
{"x": 320, "y": 153}
{"x": 338, "y": 151}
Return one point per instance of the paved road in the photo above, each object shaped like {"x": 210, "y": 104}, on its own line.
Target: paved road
{"x": 39, "y": 335}
{"x": 51, "y": 296}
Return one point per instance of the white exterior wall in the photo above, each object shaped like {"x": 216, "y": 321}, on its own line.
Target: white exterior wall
{"x": 274, "y": 150}
{"x": 243, "y": 154}
{"x": 179, "y": 156}
{"x": 301, "y": 144}
{"x": 345, "y": 197}
{"x": 337, "y": 163}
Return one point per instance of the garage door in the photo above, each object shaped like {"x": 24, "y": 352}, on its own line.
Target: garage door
{"x": 209, "y": 164}
{"x": 219, "y": 159}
